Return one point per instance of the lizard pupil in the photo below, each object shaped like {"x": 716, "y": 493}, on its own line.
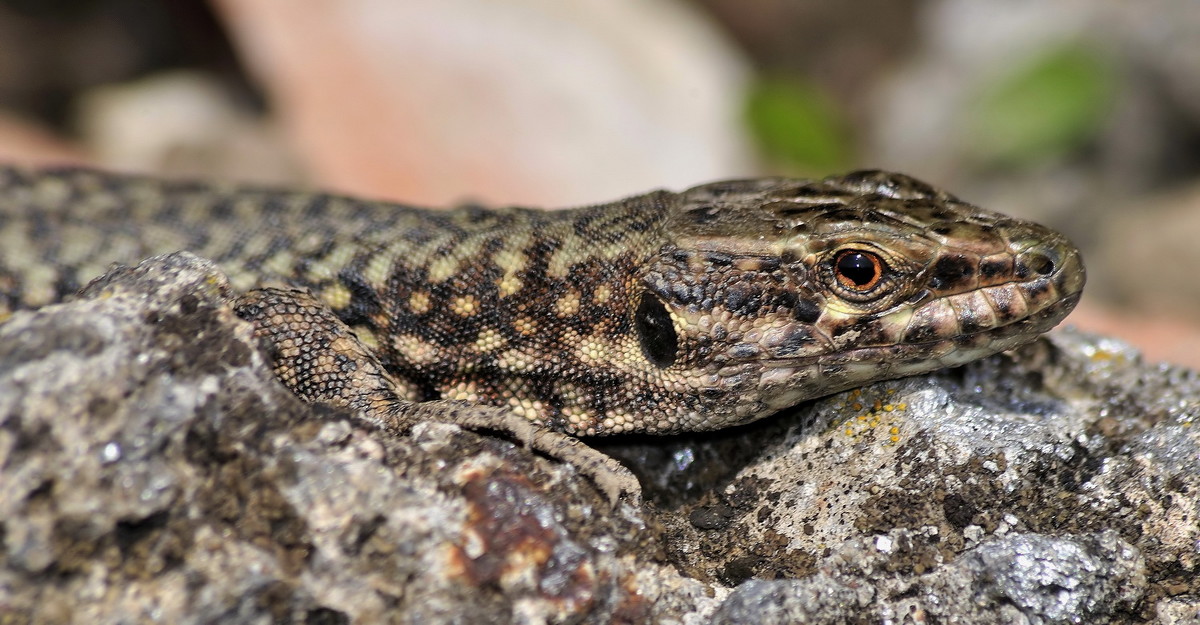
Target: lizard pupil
{"x": 858, "y": 270}
{"x": 659, "y": 342}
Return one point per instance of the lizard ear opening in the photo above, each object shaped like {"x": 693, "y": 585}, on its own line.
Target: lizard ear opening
{"x": 655, "y": 331}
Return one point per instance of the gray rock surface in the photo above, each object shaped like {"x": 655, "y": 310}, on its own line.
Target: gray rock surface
{"x": 152, "y": 470}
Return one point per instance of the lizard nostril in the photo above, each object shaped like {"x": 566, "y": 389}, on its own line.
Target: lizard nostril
{"x": 1041, "y": 264}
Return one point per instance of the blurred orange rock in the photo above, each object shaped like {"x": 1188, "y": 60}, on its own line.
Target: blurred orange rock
{"x": 24, "y": 142}
{"x": 526, "y": 101}
{"x": 1160, "y": 338}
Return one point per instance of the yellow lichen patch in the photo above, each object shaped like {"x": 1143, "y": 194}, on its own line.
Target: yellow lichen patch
{"x": 336, "y": 295}
{"x": 464, "y": 305}
{"x": 568, "y": 304}
{"x": 418, "y": 302}
{"x": 415, "y": 350}
{"x": 489, "y": 340}
{"x": 870, "y": 415}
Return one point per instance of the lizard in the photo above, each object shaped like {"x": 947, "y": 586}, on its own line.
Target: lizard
{"x": 661, "y": 313}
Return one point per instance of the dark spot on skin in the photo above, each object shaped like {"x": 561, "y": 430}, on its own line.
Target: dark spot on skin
{"x": 1037, "y": 291}
{"x": 364, "y": 300}
{"x": 844, "y": 214}
{"x": 921, "y": 333}
{"x": 743, "y": 351}
{"x": 792, "y": 209}
{"x": 719, "y": 259}
{"x": 806, "y": 311}
{"x": 769, "y": 264}
{"x": 993, "y": 268}
{"x": 704, "y": 214}
{"x": 943, "y": 230}
{"x": 680, "y": 256}
{"x": 950, "y": 272}
{"x": 788, "y": 257}
{"x": 794, "y": 344}
{"x": 735, "y": 297}
{"x": 970, "y": 322}
{"x": 1002, "y": 304}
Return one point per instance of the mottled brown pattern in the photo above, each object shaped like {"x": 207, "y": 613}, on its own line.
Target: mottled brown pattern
{"x": 659, "y": 313}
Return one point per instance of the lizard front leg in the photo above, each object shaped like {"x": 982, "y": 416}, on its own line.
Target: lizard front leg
{"x": 320, "y": 359}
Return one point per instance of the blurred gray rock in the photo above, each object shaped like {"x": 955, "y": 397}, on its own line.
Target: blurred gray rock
{"x": 152, "y": 470}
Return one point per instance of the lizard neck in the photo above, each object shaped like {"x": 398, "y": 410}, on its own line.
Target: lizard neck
{"x": 516, "y": 307}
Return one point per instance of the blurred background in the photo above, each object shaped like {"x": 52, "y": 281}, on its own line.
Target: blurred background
{"x": 1082, "y": 114}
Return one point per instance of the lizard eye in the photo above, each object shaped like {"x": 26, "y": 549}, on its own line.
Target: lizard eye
{"x": 857, "y": 270}
{"x": 655, "y": 331}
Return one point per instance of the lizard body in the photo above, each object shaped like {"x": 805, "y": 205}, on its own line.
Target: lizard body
{"x": 660, "y": 313}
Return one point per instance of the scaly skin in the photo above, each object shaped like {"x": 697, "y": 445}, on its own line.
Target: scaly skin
{"x": 660, "y": 313}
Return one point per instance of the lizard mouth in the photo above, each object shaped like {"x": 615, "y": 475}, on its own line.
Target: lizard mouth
{"x": 956, "y": 349}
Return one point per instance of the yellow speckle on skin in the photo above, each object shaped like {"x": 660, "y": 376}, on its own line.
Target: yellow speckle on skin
{"x": 515, "y": 360}
{"x": 328, "y": 267}
{"x": 463, "y": 391}
{"x": 510, "y": 284}
{"x": 593, "y": 351}
{"x": 526, "y": 326}
{"x": 510, "y": 261}
{"x": 336, "y": 295}
{"x": 378, "y": 268}
{"x": 464, "y": 305}
{"x": 489, "y": 340}
{"x": 415, "y": 350}
{"x": 419, "y": 302}
{"x": 280, "y": 263}
{"x": 568, "y": 304}
{"x": 442, "y": 269}
{"x": 366, "y": 337}
{"x": 602, "y": 294}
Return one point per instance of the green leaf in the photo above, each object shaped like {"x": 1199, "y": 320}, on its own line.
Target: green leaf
{"x": 797, "y": 125}
{"x": 1050, "y": 107}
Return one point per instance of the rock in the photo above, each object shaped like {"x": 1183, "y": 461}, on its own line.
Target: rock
{"x": 152, "y": 470}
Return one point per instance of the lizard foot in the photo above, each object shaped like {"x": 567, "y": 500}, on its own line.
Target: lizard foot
{"x": 320, "y": 359}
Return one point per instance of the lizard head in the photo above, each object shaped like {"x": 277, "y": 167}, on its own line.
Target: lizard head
{"x": 770, "y": 292}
